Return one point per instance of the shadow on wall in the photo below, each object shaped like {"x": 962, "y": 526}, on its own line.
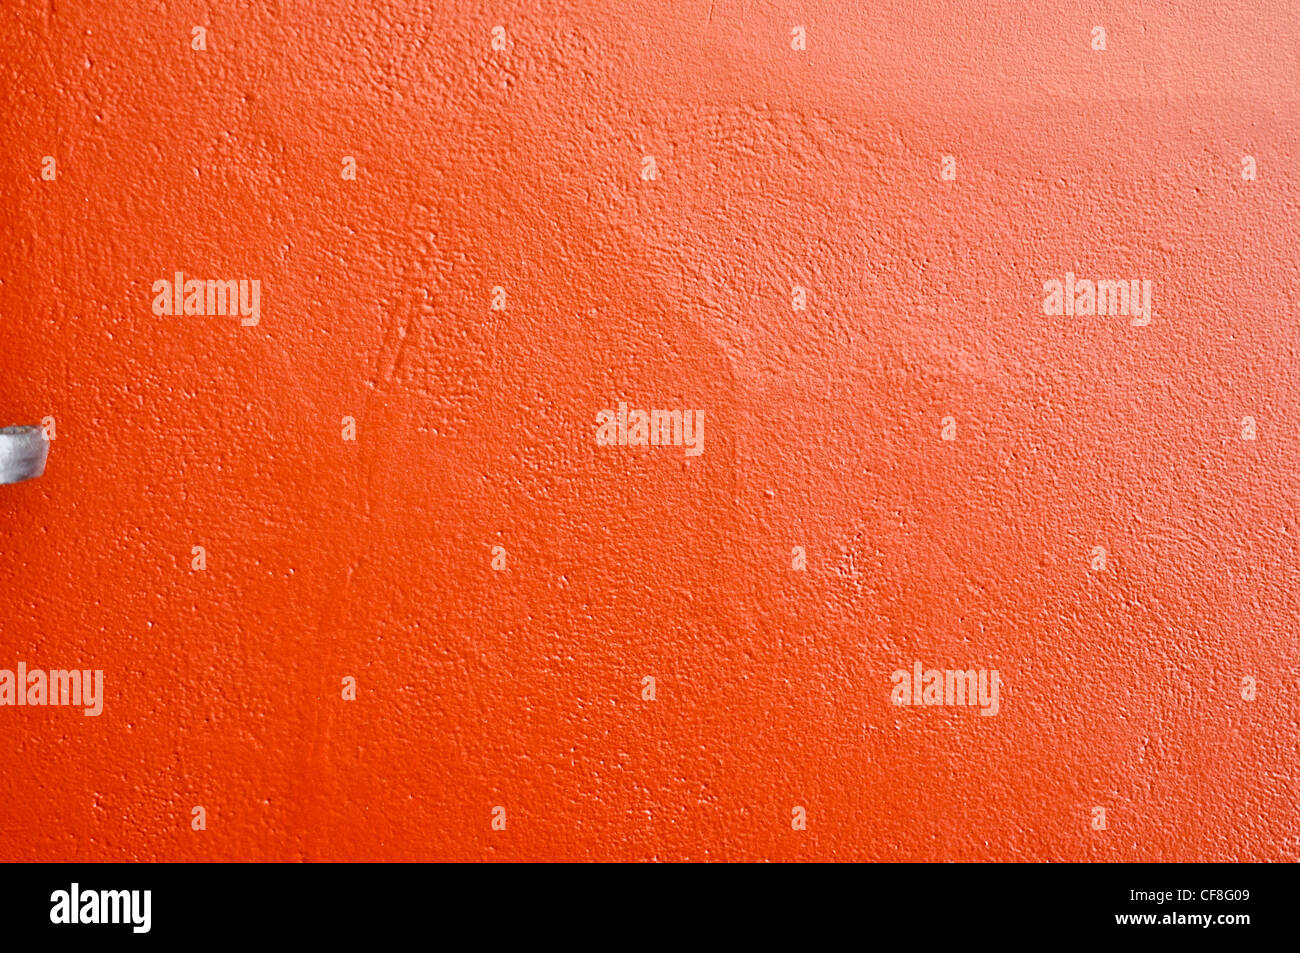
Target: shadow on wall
{"x": 500, "y": 561}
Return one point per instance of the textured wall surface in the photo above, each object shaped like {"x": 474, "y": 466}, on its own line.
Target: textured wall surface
{"x": 524, "y": 168}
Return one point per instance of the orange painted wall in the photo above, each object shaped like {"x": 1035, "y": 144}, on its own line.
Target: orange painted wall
{"x": 475, "y": 428}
